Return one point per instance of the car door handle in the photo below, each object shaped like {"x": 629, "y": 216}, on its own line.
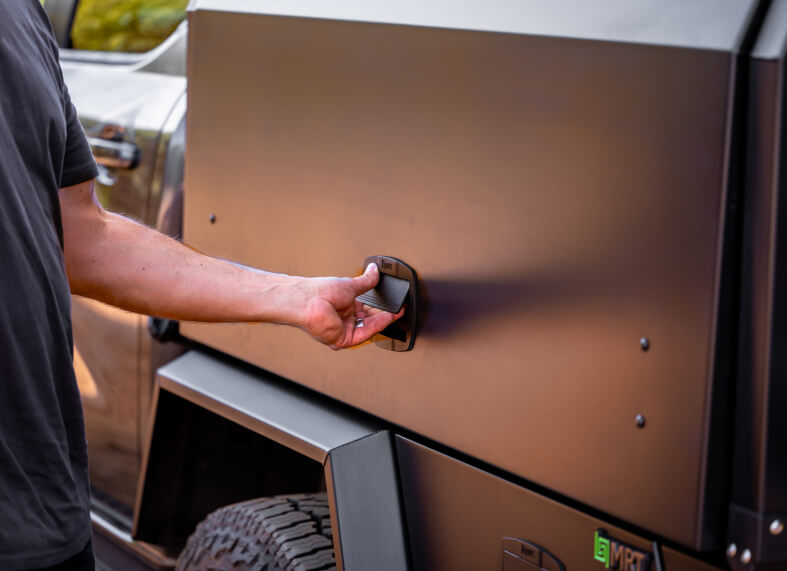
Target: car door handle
{"x": 116, "y": 154}
{"x": 398, "y": 286}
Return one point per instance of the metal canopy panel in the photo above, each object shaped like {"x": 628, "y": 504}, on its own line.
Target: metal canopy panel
{"x": 287, "y": 415}
{"x": 759, "y": 492}
{"x": 559, "y": 199}
{"x": 701, "y": 24}
{"x": 458, "y": 516}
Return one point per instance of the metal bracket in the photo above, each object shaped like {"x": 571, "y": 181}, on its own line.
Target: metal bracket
{"x": 755, "y": 537}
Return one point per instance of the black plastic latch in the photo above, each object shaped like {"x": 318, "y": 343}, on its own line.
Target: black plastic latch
{"x": 389, "y": 294}
{"x": 397, "y": 288}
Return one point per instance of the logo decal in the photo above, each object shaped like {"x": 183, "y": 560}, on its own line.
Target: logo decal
{"x": 602, "y": 549}
{"x": 615, "y": 554}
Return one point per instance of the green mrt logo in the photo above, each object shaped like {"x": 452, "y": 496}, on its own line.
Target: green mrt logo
{"x": 615, "y": 554}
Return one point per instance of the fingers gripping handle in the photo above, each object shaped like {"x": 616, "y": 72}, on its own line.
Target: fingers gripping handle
{"x": 398, "y": 286}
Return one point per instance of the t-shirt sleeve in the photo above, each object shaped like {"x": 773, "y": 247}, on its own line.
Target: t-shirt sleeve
{"x": 78, "y": 164}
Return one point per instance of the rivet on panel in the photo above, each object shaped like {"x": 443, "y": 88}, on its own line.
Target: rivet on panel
{"x": 732, "y": 550}
{"x": 640, "y": 420}
{"x": 644, "y": 343}
{"x": 212, "y": 218}
{"x": 746, "y": 556}
{"x": 776, "y": 527}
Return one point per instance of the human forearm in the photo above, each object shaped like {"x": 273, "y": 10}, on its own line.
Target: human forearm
{"x": 115, "y": 260}
{"x": 133, "y": 267}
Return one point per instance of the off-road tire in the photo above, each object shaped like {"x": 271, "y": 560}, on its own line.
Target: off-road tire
{"x": 283, "y": 533}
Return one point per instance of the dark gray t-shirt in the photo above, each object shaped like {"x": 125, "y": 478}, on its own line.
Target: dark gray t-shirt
{"x": 44, "y": 490}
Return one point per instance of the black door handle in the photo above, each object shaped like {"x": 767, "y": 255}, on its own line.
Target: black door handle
{"x": 398, "y": 286}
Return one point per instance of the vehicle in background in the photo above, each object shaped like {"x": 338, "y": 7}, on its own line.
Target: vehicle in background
{"x": 579, "y": 206}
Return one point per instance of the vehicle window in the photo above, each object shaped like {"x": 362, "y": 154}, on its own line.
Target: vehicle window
{"x": 125, "y": 25}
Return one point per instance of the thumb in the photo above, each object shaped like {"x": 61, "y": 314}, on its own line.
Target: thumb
{"x": 367, "y": 280}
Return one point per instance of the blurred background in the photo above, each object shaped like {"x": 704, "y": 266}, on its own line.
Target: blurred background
{"x": 124, "y": 25}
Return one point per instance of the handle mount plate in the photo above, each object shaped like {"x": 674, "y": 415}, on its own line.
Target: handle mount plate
{"x": 398, "y": 286}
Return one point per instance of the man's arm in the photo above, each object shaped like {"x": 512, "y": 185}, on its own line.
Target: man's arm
{"x": 117, "y": 261}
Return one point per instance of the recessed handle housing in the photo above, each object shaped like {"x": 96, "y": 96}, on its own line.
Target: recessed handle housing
{"x": 398, "y": 286}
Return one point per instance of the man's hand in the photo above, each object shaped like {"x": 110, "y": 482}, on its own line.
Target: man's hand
{"x": 335, "y": 317}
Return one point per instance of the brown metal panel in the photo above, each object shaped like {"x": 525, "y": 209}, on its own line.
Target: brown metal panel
{"x": 559, "y": 199}
{"x": 458, "y": 516}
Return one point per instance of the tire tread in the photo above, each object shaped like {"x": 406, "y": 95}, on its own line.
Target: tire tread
{"x": 282, "y": 533}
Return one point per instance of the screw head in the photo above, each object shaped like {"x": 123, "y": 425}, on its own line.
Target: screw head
{"x": 644, "y": 343}
{"x": 746, "y": 556}
{"x": 732, "y": 550}
{"x": 212, "y": 218}
{"x": 776, "y": 527}
{"x": 640, "y": 420}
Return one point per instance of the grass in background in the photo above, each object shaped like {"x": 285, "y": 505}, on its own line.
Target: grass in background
{"x": 125, "y": 25}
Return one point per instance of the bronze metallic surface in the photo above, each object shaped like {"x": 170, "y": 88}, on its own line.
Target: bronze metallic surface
{"x": 458, "y": 516}
{"x": 702, "y": 24}
{"x": 559, "y": 199}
